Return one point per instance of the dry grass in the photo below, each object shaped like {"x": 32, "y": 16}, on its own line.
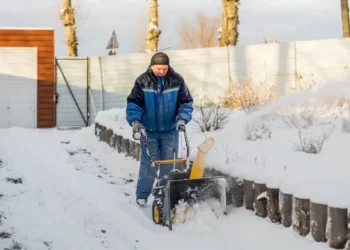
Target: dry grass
{"x": 247, "y": 96}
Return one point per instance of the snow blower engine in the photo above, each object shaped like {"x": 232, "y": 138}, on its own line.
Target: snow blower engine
{"x": 185, "y": 182}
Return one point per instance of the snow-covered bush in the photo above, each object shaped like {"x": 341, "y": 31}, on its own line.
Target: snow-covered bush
{"x": 311, "y": 143}
{"x": 260, "y": 127}
{"x": 257, "y": 131}
{"x": 210, "y": 117}
{"x": 248, "y": 96}
{"x": 294, "y": 119}
{"x": 314, "y": 124}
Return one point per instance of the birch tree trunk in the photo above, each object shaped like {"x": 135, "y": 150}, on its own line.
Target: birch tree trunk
{"x": 229, "y": 27}
{"x": 153, "y": 31}
{"x": 345, "y": 18}
{"x": 68, "y": 20}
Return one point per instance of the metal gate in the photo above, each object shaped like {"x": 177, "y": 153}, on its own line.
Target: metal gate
{"x": 72, "y": 85}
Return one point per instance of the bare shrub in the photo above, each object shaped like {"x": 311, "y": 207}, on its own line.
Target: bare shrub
{"x": 311, "y": 144}
{"x": 319, "y": 112}
{"x": 257, "y": 132}
{"x": 308, "y": 142}
{"x": 308, "y": 117}
{"x": 247, "y": 96}
{"x": 291, "y": 121}
{"x": 211, "y": 117}
{"x": 304, "y": 119}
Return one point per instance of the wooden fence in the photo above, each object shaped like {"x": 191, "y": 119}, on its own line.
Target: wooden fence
{"x": 324, "y": 223}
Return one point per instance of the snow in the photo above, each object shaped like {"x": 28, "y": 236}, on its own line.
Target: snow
{"x": 78, "y": 193}
{"x": 262, "y": 196}
{"x": 152, "y": 27}
{"x": 115, "y": 119}
{"x": 64, "y": 189}
{"x": 266, "y": 146}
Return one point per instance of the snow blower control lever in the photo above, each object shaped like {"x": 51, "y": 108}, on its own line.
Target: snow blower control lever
{"x": 142, "y": 134}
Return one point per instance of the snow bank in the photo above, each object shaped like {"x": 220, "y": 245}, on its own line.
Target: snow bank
{"x": 268, "y": 145}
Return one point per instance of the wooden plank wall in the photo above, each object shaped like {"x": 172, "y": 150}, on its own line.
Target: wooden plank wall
{"x": 43, "y": 40}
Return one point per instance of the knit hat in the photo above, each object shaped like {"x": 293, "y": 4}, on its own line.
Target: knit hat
{"x": 160, "y": 58}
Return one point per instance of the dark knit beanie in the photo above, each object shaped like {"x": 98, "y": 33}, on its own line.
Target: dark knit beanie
{"x": 160, "y": 58}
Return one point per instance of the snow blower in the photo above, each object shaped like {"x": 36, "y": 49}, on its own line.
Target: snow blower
{"x": 185, "y": 183}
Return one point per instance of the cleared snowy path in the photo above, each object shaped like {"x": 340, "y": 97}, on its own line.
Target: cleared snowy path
{"x": 77, "y": 193}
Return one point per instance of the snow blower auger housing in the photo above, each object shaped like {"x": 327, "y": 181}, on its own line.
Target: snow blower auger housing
{"x": 186, "y": 184}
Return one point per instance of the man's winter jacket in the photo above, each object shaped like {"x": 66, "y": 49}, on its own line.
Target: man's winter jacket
{"x": 158, "y": 102}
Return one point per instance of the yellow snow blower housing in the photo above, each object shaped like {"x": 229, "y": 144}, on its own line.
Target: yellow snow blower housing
{"x": 197, "y": 170}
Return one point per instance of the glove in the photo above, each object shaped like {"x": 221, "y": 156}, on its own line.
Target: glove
{"x": 136, "y": 127}
{"x": 180, "y": 125}
{"x": 136, "y": 130}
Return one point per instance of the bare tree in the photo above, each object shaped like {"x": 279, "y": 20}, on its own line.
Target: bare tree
{"x": 202, "y": 34}
{"x": 228, "y": 33}
{"x": 153, "y": 31}
{"x": 67, "y": 16}
{"x": 345, "y": 17}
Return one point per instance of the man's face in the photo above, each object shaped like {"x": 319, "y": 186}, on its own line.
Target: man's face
{"x": 160, "y": 70}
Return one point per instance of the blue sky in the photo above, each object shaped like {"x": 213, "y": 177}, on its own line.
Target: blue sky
{"x": 287, "y": 20}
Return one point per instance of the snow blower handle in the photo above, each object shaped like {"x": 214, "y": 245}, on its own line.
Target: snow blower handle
{"x": 139, "y": 134}
{"x": 142, "y": 134}
{"x": 182, "y": 128}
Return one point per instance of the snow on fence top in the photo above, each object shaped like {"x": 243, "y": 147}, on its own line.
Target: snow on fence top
{"x": 299, "y": 144}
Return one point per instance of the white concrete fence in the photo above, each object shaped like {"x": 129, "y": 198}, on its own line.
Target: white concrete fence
{"x": 86, "y": 85}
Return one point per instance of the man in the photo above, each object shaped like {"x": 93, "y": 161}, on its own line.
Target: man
{"x": 161, "y": 103}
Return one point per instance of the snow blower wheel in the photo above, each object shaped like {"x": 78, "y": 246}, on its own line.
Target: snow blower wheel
{"x": 157, "y": 212}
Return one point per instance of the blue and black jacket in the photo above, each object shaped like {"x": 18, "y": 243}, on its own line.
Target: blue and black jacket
{"x": 158, "y": 102}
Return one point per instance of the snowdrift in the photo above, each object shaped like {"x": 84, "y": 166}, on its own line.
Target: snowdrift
{"x": 287, "y": 161}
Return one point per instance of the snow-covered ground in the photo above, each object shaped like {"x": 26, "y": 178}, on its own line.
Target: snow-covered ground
{"x": 65, "y": 190}
{"x": 298, "y": 143}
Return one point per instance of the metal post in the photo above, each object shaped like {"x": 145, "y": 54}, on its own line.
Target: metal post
{"x": 87, "y": 91}
{"x": 101, "y": 75}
